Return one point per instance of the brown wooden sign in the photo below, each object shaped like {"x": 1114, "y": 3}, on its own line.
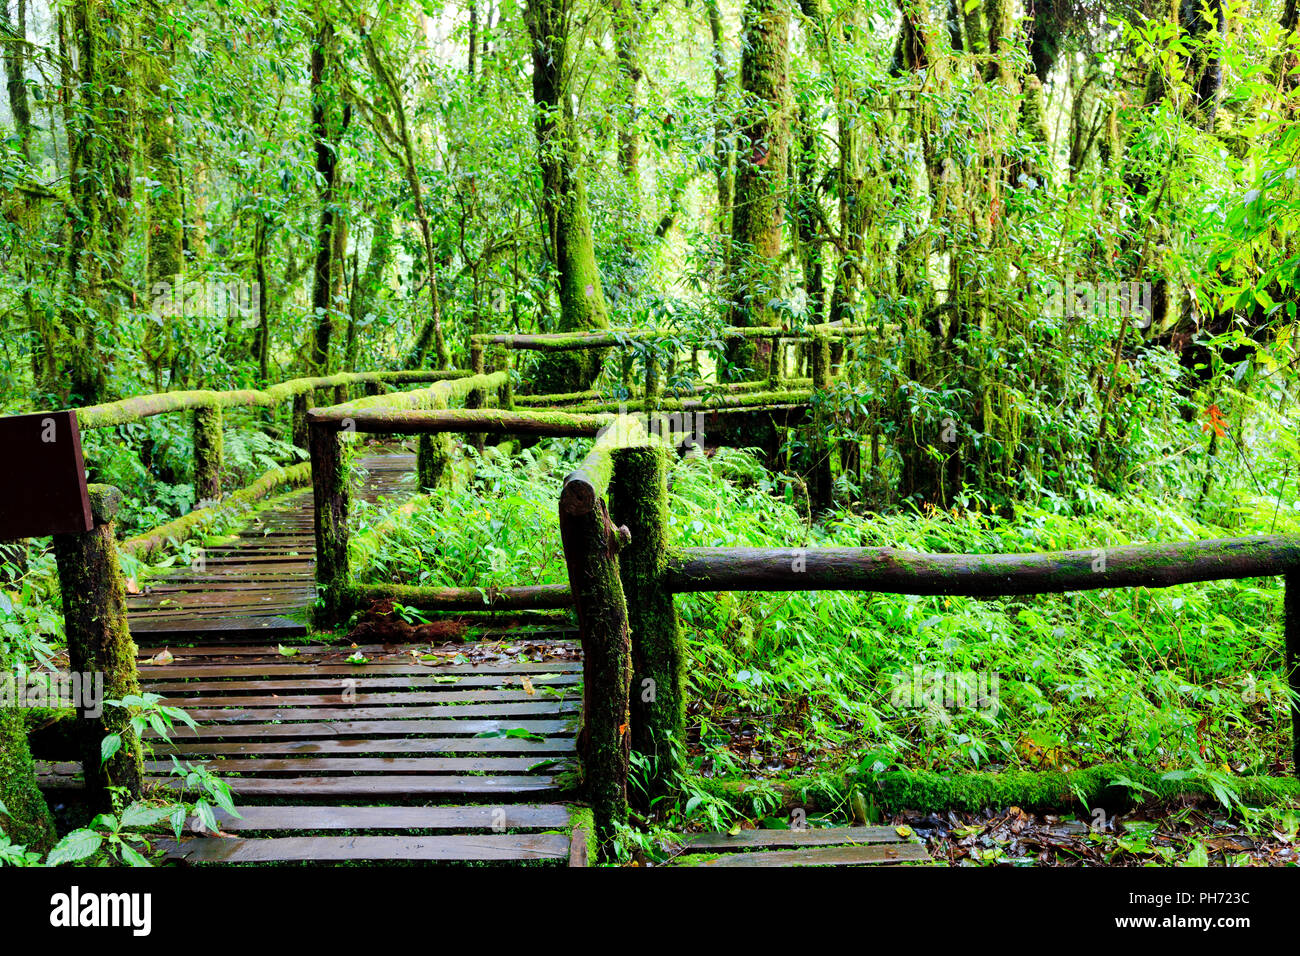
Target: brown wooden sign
{"x": 43, "y": 483}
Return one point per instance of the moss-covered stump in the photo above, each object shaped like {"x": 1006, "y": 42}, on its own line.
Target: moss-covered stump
{"x": 99, "y": 641}
{"x": 208, "y": 449}
{"x": 639, "y": 501}
{"x": 25, "y": 819}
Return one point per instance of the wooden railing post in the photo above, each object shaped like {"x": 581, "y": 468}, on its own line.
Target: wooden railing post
{"x": 330, "y": 488}
{"x": 1292, "y": 615}
{"x": 301, "y": 402}
{"x": 208, "y": 449}
{"x": 99, "y": 643}
{"x": 502, "y": 359}
{"x": 653, "y": 384}
{"x": 477, "y": 398}
{"x": 822, "y": 448}
{"x": 591, "y": 546}
{"x": 639, "y": 501}
{"x": 432, "y": 456}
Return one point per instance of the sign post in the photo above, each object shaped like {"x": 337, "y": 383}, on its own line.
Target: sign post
{"x": 45, "y": 493}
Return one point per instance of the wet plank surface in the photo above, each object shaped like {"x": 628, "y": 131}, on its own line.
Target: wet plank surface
{"x": 263, "y": 581}
{"x": 458, "y": 739}
{"x": 828, "y": 846}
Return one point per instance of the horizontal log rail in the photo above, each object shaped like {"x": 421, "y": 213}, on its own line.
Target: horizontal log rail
{"x": 614, "y": 338}
{"x": 980, "y": 575}
{"x": 457, "y": 420}
{"x": 536, "y": 597}
{"x": 129, "y": 410}
{"x": 742, "y": 402}
{"x": 422, "y": 412}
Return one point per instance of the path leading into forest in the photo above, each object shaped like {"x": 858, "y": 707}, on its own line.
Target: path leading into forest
{"x": 334, "y": 752}
{"x": 383, "y": 752}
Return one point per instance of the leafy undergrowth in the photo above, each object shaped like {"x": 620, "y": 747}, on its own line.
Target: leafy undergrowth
{"x": 1184, "y": 678}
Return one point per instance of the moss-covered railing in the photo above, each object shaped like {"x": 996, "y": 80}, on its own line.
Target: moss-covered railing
{"x": 623, "y": 573}
{"x": 423, "y": 412}
{"x": 613, "y": 516}
{"x": 809, "y": 338}
{"x": 207, "y": 406}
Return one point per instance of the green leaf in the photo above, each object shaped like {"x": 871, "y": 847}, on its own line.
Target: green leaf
{"x": 141, "y": 815}
{"x": 109, "y": 746}
{"x": 77, "y": 845}
{"x": 133, "y": 857}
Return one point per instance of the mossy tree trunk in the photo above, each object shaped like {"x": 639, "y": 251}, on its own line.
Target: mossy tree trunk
{"x": 165, "y": 242}
{"x": 762, "y": 160}
{"x": 100, "y": 141}
{"x": 99, "y": 641}
{"x": 327, "y": 124}
{"x": 639, "y": 501}
{"x": 571, "y": 245}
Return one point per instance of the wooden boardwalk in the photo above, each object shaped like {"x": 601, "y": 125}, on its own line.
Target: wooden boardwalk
{"x": 333, "y": 752}
{"x": 264, "y": 581}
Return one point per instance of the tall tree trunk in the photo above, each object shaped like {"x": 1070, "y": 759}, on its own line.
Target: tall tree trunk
{"x": 762, "y": 159}
{"x": 627, "y": 49}
{"x": 572, "y": 245}
{"x": 166, "y": 234}
{"x": 724, "y": 158}
{"x": 100, "y": 139}
{"x": 325, "y": 129}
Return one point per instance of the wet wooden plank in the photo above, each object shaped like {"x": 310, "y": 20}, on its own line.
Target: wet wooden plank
{"x": 508, "y": 816}
{"x": 373, "y": 746}
{"x": 308, "y": 766}
{"x": 487, "y": 846}
{"x": 386, "y": 728}
{"x": 373, "y": 700}
{"x": 578, "y": 851}
{"x": 772, "y": 839}
{"x": 277, "y": 686}
{"x": 396, "y": 785}
{"x": 865, "y": 855}
{"x": 272, "y": 671}
{"x": 542, "y": 708}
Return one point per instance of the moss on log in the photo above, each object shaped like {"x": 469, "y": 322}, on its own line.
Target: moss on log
{"x": 1078, "y": 791}
{"x": 753, "y": 401}
{"x": 639, "y": 501}
{"x": 143, "y": 406}
{"x": 1081, "y": 790}
{"x": 981, "y": 575}
{"x": 541, "y": 597}
{"x": 495, "y": 421}
{"x": 94, "y": 614}
{"x": 26, "y": 819}
{"x": 591, "y": 546}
